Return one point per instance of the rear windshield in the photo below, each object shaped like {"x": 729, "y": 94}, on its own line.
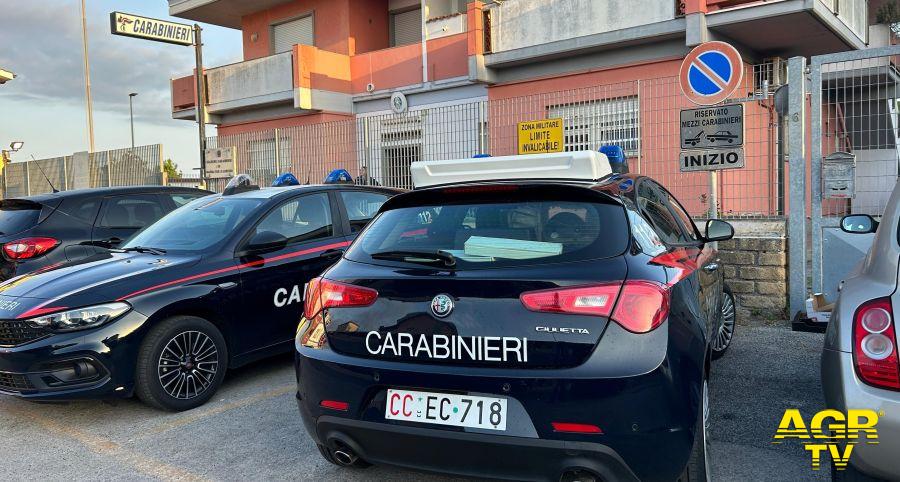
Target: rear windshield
{"x": 497, "y": 234}
{"x": 17, "y": 216}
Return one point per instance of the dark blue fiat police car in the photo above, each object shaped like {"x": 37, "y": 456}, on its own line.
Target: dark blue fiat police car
{"x": 213, "y": 285}
{"x": 528, "y": 318}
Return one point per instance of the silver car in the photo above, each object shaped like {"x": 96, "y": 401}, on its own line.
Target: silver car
{"x": 860, "y": 368}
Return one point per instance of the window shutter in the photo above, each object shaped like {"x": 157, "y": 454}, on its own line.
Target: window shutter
{"x": 407, "y": 27}
{"x": 286, "y": 35}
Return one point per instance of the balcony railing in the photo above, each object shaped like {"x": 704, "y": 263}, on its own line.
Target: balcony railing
{"x": 316, "y": 79}
{"x": 853, "y": 13}
{"x": 184, "y": 93}
{"x": 258, "y": 81}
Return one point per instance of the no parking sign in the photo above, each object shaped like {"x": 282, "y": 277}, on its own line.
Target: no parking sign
{"x": 710, "y": 73}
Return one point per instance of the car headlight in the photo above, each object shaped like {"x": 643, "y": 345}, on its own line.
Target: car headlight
{"x": 81, "y": 318}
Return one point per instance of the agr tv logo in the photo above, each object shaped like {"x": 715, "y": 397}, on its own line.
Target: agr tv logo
{"x": 828, "y": 431}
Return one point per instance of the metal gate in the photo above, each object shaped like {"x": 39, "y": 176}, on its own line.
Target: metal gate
{"x": 854, "y": 145}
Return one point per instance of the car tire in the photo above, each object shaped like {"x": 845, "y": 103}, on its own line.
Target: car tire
{"x": 181, "y": 364}
{"x": 697, "y": 469}
{"x": 850, "y": 474}
{"x": 328, "y": 454}
{"x": 727, "y": 323}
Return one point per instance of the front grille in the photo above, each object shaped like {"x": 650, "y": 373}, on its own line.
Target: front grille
{"x": 13, "y": 382}
{"x": 14, "y": 333}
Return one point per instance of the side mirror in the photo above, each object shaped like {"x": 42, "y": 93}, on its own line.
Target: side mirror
{"x": 858, "y": 224}
{"x": 718, "y": 230}
{"x": 265, "y": 242}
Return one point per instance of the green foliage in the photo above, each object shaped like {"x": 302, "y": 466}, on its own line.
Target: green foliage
{"x": 171, "y": 169}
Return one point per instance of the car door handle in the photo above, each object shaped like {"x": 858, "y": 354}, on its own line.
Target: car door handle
{"x": 110, "y": 242}
{"x": 227, "y": 285}
{"x": 711, "y": 267}
{"x": 331, "y": 253}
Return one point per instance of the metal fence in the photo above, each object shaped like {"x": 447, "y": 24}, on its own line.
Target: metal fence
{"x": 854, "y": 153}
{"x": 640, "y": 115}
{"x": 119, "y": 167}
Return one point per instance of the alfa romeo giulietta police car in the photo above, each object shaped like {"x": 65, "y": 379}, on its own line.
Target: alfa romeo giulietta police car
{"x": 213, "y": 285}
{"x": 526, "y": 317}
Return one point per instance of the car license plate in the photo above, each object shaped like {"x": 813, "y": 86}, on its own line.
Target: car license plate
{"x": 446, "y": 409}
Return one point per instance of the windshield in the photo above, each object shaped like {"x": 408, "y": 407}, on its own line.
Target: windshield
{"x": 17, "y": 216}
{"x": 494, "y": 234}
{"x": 196, "y": 225}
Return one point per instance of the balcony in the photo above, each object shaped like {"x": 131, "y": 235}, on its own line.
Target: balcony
{"x": 767, "y": 28}
{"x": 256, "y": 83}
{"x": 787, "y": 28}
{"x": 310, "y": 79}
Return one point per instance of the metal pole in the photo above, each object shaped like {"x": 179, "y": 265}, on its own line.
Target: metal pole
{"x": 815, "y": 171}
{"x": 424, "y": 42}
{"x": 87, "y": 80}
{"x": 713, "y": 194}
{"x": 131, "y": 114}
{"x": 277, "y": 152}
{"x": 797, "y": 189}
{"x": 201, "y": 100}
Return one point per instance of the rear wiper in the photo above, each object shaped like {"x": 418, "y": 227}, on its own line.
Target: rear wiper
{"x": 141, "y": 249}
{"x": 439, "y": 256}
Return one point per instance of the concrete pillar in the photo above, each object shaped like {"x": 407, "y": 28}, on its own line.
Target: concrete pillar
{"x": 696, "y": 31}
{"x": 79, "y": 169}
{"x": 475, "y": 19}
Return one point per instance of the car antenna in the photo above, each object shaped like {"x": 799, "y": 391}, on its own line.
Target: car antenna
{"x": 44, "y": 173}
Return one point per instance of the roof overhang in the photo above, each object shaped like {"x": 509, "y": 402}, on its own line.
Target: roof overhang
{"x": 226, "y": 13}
{"x": 786, "y": 28}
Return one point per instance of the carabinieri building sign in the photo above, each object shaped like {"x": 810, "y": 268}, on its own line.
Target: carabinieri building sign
{"x": 151, "y": 29}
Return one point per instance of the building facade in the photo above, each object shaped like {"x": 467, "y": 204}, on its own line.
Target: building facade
{"x": 383, "y": 83}
{"x": 374, "y": 85}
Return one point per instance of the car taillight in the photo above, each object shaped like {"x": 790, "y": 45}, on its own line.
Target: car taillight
{"x": 26, "y": 248}
{"x": 583, "y": 300}
{"x": 638, "y": 306}
{"x": 875, "y": 345}
{"x": 322, "y": 294}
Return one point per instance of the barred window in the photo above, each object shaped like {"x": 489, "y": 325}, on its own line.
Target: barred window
{"x": 591, "y": 124}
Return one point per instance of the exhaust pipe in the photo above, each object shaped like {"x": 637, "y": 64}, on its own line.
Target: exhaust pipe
{"x": 578, "y": 475}
{"x": 345, "y": 456}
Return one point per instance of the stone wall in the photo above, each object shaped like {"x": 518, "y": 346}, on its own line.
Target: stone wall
{"x": 755, "y": 264}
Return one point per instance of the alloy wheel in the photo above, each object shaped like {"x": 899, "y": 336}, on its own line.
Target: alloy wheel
{"x": 726, "y": 326}
{"x": 188, "y": 364}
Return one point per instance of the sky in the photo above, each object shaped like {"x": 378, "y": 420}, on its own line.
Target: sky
{"x": 44, "y": 106}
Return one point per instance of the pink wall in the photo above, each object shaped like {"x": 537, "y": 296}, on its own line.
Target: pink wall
{"x": 280, "y": 123}
{"x": 184, "y": 93}
{"x": 342, "y": 26}
{"x": 748, "y": 190}
{"x": 369, "y": 26}
{"x": 402, "y": 66}
{"x": 387, "y": 68}
{"x": 331, "y": 25}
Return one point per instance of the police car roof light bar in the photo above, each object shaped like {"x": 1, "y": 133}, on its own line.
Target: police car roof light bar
{"x": 580, "y": 165}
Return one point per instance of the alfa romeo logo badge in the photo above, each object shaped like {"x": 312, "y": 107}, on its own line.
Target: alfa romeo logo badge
{"x": 441, "y": 305}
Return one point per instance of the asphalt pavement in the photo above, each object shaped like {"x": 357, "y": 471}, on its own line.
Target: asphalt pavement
{"x": 251, "y": 429}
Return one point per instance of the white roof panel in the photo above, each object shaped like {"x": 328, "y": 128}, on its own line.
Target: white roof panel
{"x": 580, "y": 165}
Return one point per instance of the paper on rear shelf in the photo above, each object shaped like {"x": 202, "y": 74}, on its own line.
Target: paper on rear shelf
{"x": 580, "y": 165}
{"x": 510, "y": 248}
